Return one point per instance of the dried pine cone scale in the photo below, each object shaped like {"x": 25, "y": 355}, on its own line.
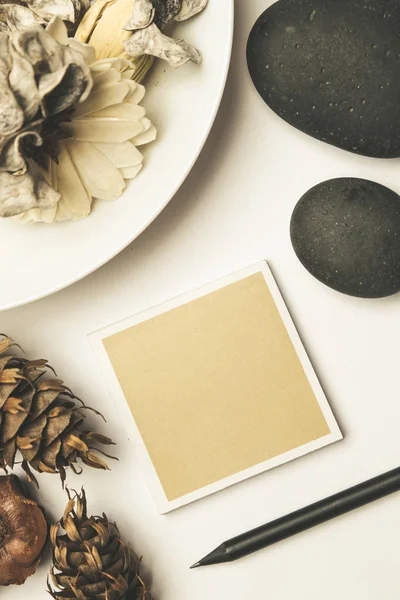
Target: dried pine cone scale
{"x": 41, "y": 419}
{"x": 90, "y": 560}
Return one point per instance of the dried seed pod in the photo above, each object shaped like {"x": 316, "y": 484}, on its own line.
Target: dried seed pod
{"x": 20, "y": 14}
{"x": 190, "y": 8}
{"x": 151, "y": 41}
{"x": 134, "y": 28}
{"x": 23, "y": 533}
{"x": 142, "y": 15}
{"x": 165, "y": 11}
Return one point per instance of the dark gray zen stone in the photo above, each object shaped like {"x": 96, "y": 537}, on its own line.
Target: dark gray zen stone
{"x": 331, "y": 69}
{"x": 346, "y": 232}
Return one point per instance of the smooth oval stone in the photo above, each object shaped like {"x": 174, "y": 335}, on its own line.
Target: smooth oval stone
{"x": 346, "y": 232}
{"x": 331, "y": 69}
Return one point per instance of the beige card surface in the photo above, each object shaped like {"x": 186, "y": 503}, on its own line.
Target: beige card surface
{"x": 214, "y": 387}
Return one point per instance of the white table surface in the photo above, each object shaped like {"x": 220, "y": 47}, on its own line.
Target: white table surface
{"x": 234, "y": 209}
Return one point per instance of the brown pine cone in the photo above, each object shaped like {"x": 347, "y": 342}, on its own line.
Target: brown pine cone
{"x": 41, "y": 419}
{"x": 90, "y": 560}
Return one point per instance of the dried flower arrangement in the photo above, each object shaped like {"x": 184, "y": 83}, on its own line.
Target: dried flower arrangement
{"x": 70, "y": 128}
{"x": 72, "y": 121}
{"x": 41, "y": 419}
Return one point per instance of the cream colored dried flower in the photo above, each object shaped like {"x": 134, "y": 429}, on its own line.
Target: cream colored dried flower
{"x": 74, "y": 137}
{"x": 28, "y": 13}
{"x": 101, "y": 152}
{"x": 122, "y": 28}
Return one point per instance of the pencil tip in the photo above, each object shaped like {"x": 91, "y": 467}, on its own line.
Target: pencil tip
{"x": 198, "y": 564}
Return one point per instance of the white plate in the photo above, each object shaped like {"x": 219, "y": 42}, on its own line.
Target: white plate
{"x": 39, "y": 260}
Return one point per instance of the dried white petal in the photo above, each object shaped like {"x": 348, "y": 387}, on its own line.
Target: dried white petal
{"x": 136, "y": 93}
{"x": 121, "y": 155}
{"x": 128, "y": 74}
{"x": 102, "y": 130}
{"x": 142, "y": 15}
{"x": 100, "y": 177}
{"x": 56, "y": 28}
{"x": 87, "y": 53}
{"x": 105, "y": 64}
{"x": 190, "y": 8}
{"x": 126, "y": 112}
{"x": 147, "y": 135}
{"x": 102, "y": 98}
{"x": 130, "y": 172}
{"x": 74, "y": 196}
{"x": 151, "y": 41}
{"x": 106, "y": 78}
{"x": 39, "y": 215}
{"x": 62, "y": 214}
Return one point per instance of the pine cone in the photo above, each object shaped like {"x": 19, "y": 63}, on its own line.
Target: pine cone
{"x": 90, "y": 560}
{"x": 41, "y": 419}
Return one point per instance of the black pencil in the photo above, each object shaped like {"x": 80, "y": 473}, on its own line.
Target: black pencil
{"x": 304, "y": 519}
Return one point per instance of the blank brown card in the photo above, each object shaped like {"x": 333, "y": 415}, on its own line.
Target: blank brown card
{"x": 214, "y": 387}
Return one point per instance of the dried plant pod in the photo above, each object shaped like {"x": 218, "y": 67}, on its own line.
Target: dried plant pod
{"x": 16, "y": 16}
{"x": 143, "y": 14}
{"x": 41, "y": 420}
{"x": 152, "y": 41}
{"x": 135, "y": 29}
{"x": 23, "y": 533}
{"x": 165, "y": 11}
{"x": 21, "y": 14}
{"x": 190, "y": 8}
{"x": 90, "y": 560}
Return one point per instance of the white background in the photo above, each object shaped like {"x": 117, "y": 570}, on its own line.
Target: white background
{"x": 234, "y": 209}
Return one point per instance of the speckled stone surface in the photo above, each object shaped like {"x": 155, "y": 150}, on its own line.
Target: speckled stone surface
{"x": 331, "y": 69}
{"x": 346, "y": 232}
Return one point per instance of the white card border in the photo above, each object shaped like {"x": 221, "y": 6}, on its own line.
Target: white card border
{"x": 128, "y": 422}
